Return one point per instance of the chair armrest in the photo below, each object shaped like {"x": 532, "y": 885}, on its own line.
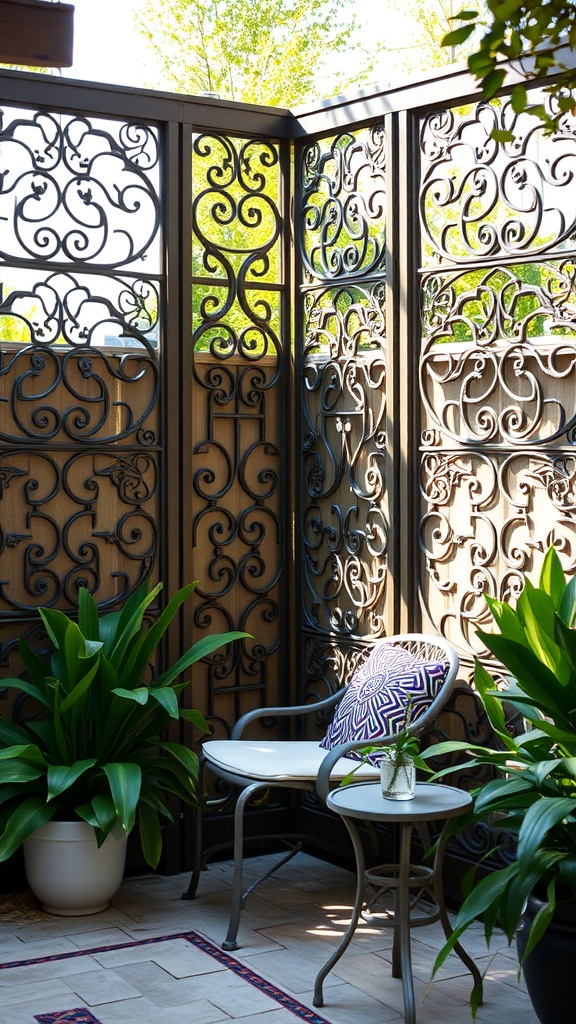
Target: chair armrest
{"x": 284, "y": 712}
{"x": 323, "y": 786}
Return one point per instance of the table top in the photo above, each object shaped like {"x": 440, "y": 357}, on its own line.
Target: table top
{"x": 431, "y": 801}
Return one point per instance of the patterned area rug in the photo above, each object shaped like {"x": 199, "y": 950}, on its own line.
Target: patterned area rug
{"x": 82, "y": 1015}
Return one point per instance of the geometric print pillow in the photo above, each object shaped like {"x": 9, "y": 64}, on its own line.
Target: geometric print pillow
{"x": 374, "y": 704}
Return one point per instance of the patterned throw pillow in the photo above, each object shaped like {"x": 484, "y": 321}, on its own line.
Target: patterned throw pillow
{"x": 374, "y": 704}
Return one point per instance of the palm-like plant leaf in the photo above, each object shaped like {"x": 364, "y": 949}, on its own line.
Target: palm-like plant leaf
{"x": 125, "y": 780}
{"x": 99, "y": 751}
{"x": 26, "y": 819}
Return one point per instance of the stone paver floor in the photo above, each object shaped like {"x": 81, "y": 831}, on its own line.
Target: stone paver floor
{"x": 289, "y": 928}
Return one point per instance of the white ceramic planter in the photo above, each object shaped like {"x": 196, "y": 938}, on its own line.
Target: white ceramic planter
{"x": 67, "y": 871}
{"x": 398, "y": 780}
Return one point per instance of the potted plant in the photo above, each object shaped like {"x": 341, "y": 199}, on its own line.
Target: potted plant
{"x": 534, "y": 790}
{"x": 96, "y": 761}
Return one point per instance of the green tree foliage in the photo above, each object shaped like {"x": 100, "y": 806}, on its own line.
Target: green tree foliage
{"x": 416, "y": 43}
{"x": 270, "y": 52}
{"x": 537, "y": 37}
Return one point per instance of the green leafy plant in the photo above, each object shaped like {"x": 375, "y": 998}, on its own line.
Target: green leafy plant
{"x": 98, "y": 751}
{"x": 534, "y": 790}
{"x": 536, "y": 37}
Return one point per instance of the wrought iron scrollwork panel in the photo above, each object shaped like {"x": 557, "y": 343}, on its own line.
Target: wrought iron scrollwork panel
{"x": 78, "y": 309}
{"x": 344, "y": 514}
{"x": 75, "y": 519}
{"x": 345, "y": 520}
{"x": 343, "y": 205}
{"x": 78, "y": 190}
{"x": 81, "y": 289}
{"x": 487, "y": 520}
{"x": 238, "y": 450}
{"x": 80, "y": 396}
{"x": 483, "y": 200}
{"x": 497, "y": 361}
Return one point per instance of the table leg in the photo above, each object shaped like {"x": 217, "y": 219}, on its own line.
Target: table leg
{"x": 402, "y": 929}
{"x": 446, "y": 925}
{"x": 318, "y": 999}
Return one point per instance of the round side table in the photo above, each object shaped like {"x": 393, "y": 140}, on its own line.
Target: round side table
{"x": 431, "y": 802}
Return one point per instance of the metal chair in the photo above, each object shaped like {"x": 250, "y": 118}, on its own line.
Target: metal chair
{"x": 253, "y": 765}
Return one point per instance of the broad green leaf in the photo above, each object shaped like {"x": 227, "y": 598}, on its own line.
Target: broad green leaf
{"x": 30, "y": 688}
{"x": 108, "y": 629}
{"x": 167, "y": 700}
{"x": 60, "y": 733}
{"x": 18, "y": 771}
{"x": 100, "y": 813}
{"x": 565, "y": 636}
{"x": 139, "y": 658}
{"x": 539, "y": 925}
{"x": 483, "y": 896}
{"x": 492, "y": 703}
{"x": 35, "y": 664}
{"x": 56, "y": 624}
{"x": 458, "y": 35}
{"x": 537, "y": 613}
{"x": 502, "y": 135}
{"x": 187, "y": 758}
{"x": 567, "y": 870}
{"x": 88, "y": 615}
{"x": 536, "y": 680}
{"x": 519, "y": 98}
{"x": 538, "y": 822}
{"x": 11, "y": 733}
{"x": 492, "y": 83}
{"x": 567, "y": 605}
{"x": 125, "y": 780}
{"x": 552, "y": 579}
{"x": 507, "y": 620}
{"x": 506, "y": 8}
{"x": 150, "y": 834}
{"x": 134, "y": 605}
{"x": 128, "y": 629}
{"x": 195, "y": 717}
{"x": 28, "y": 752}
{"x": 140, "y": 695}
{"x": 501, "y": 791}
{"x": 25, "y": 820}
{"x": 201, "y": 649}
{"x": 61, "y": 777}
{"x": 80, "y": 689}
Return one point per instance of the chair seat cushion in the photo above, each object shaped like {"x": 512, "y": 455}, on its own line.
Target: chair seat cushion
{"x": 276, "y": 760}
{"x": 374, "y": 705}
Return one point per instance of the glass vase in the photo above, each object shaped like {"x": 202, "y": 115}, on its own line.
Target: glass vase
{"x": 398, "y": 776}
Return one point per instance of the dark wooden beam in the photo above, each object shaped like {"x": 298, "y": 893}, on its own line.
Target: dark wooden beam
{"x": 36, "y": 33}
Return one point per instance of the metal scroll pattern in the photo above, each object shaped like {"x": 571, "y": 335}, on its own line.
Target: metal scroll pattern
{"x": 497, "y": 360}
{"x": 238, "y": 449}
{"x": 343, "y": 378}
{"x": 79, "y": 380}
{"x": 77, "y": 190}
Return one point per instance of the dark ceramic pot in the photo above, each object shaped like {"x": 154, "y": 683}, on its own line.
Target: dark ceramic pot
{"x": 550, "y": 970}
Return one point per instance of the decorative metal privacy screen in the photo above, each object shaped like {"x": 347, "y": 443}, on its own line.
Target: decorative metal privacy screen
{"x": 343, "y": 459}
{"x": 80, "y": 298}
{"x": 498, "y": 358}
{"x": 238, "y": 453}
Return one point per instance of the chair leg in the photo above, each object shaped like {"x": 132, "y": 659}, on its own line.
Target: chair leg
{"x": 238, "y": 895}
